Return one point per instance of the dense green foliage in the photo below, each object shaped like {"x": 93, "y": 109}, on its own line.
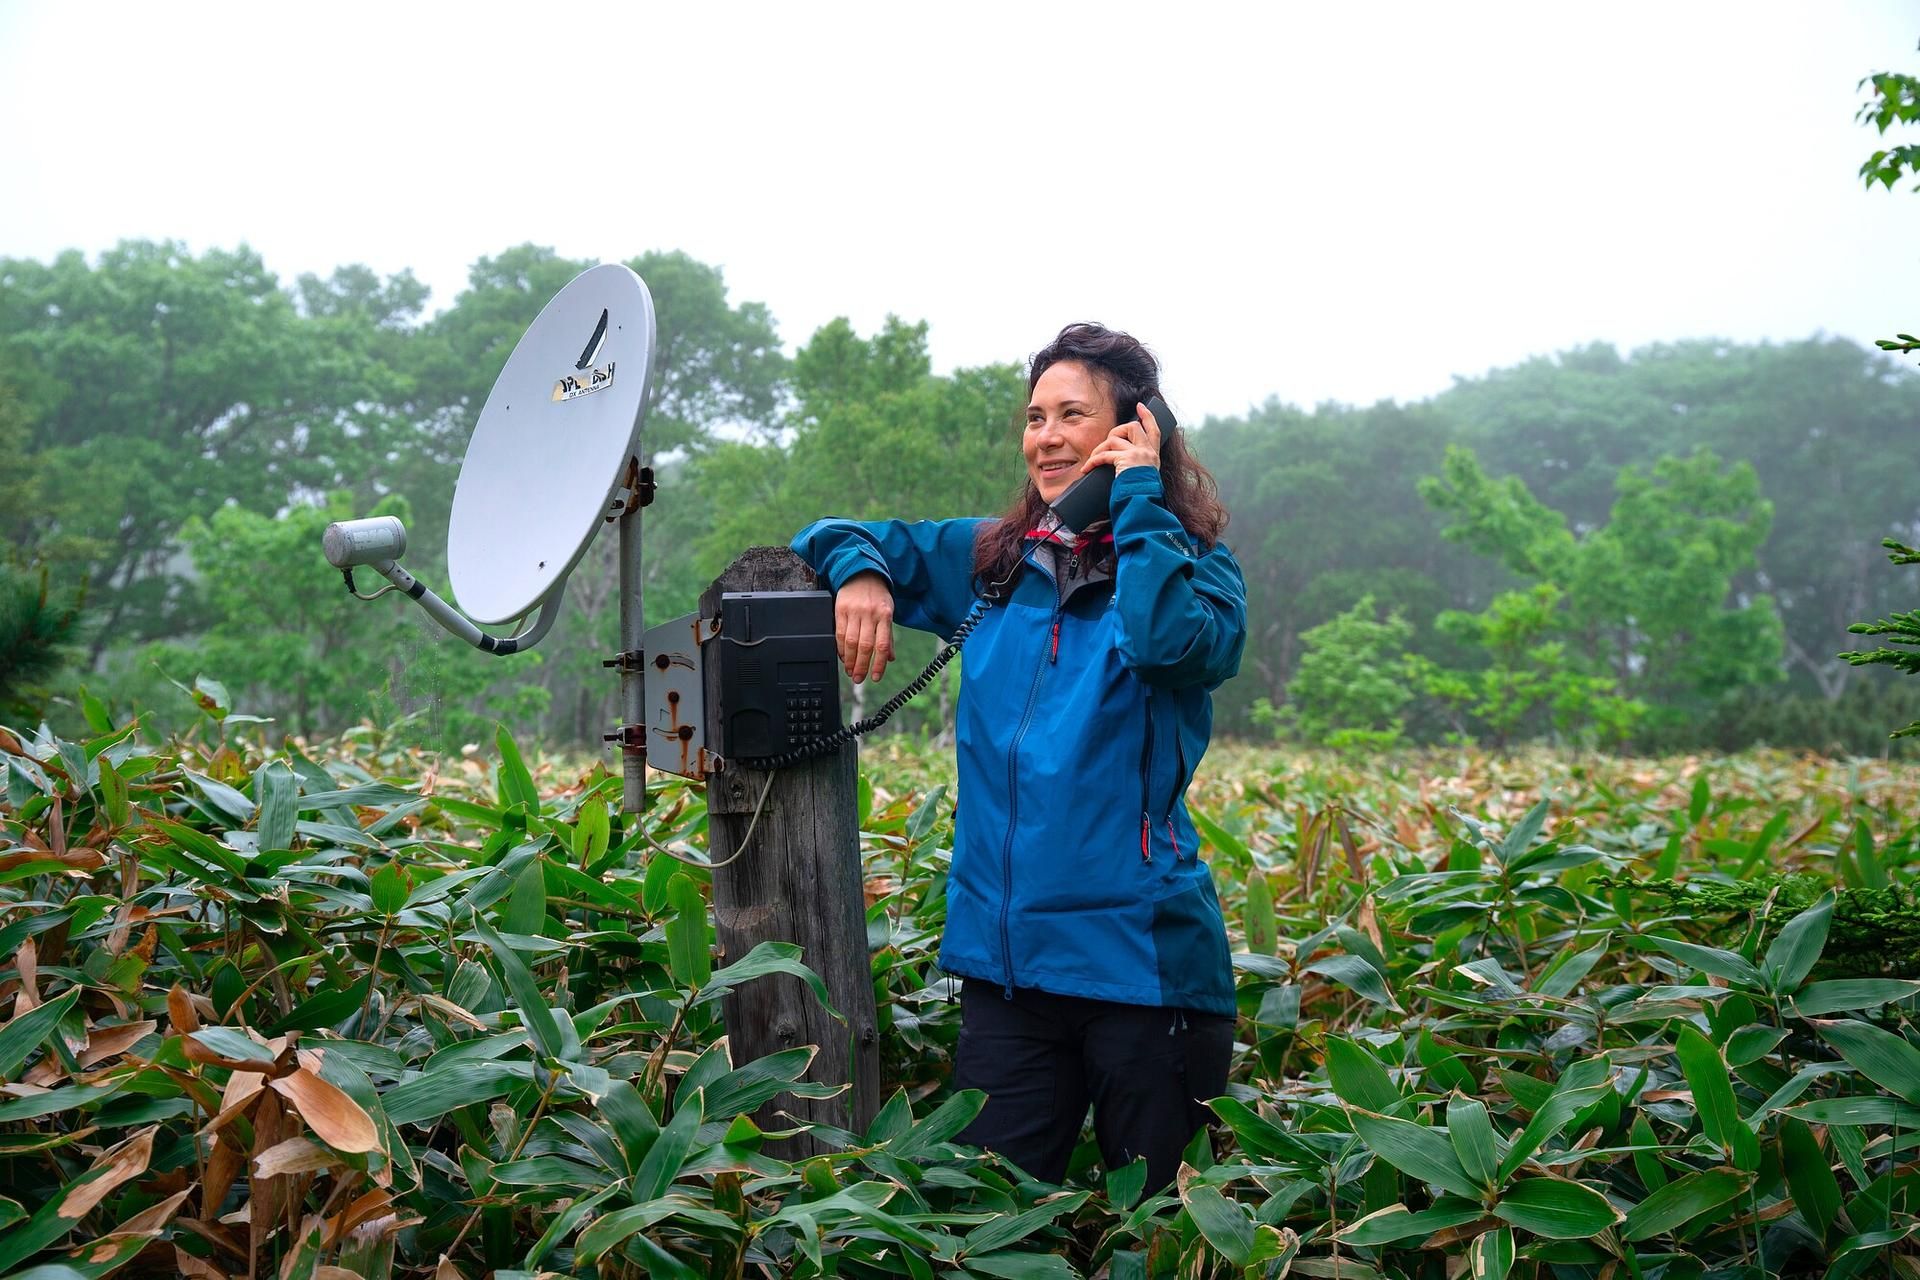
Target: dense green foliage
{"x": 35, "y": 630}
{"x": 173, "y": 427}
{"x": 1893, "y": 99}
{"x": 272, "y": 1012}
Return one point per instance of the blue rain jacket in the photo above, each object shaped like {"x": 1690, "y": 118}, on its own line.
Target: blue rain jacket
{"x": 1082, "y": 714}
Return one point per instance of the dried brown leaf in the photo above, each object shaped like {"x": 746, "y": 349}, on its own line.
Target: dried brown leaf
{"x": 105, "y": 1042}
{"x": 180, "y": 1011}
{"x": 154, "y": 1218}
{"x": 76, "y": 860}
{"x": 1368, "y": 922}
{"x": 369, "y": 1207}
{"x": 126, "y": 1161}
{"x": 240, "y": 1090}
{"x": 337, "y": 1119}
{"x": 193, "y": 1268}
{"x": 1460, "y": 1234}
{"x": 295, "y": 1155}
{"x": 446, "y": 1270}
{"x": 448, "y": 1009}
{"x": 271, "y": 1126}
{"x": 224, "y": 1163}
{"x": 45, "y": 1072}
{"x": 27, "y": 960}
{"x": 116, "y": 941}
{"x": 1356, "y": 862}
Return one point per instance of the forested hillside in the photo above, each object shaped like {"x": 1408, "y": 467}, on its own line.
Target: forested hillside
{"x": 1656, "y": 548}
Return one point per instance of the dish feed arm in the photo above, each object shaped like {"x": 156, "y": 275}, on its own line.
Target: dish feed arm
{"x": 378, "y": 542}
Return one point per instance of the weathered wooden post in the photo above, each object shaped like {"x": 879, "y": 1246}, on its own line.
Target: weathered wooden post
{"x": 799, "y": 881}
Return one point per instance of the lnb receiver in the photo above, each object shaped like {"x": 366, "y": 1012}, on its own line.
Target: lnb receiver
{"x": 350, "y": 543}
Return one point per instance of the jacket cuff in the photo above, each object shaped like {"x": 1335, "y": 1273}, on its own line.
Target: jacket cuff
{"x": 844, "y": 569}
{"x": 1137, "y": 482}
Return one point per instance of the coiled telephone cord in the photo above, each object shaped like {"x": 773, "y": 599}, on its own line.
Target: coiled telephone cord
{"x": 847, "y": 733}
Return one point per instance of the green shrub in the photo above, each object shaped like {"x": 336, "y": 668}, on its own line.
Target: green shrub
{"x": 1351, "y": 683}
{"x": 37, "y": 631}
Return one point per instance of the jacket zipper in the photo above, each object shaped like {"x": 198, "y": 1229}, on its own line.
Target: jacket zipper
{"x": 1173, "y": 800}
{"x": 1146, "y": 787}
{"x": 1013, "y": 813}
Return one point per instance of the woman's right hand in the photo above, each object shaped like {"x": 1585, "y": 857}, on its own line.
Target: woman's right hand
{"x": 863, "y": 625}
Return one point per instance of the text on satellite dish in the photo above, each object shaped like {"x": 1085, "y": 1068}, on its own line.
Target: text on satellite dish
{"x": 572, "y": 387}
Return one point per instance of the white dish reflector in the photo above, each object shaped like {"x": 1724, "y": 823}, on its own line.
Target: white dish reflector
{"x": 552, "y": 445}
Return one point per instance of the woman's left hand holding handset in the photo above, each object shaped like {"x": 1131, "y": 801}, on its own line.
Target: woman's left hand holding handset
{"x": 1131, "y": 444}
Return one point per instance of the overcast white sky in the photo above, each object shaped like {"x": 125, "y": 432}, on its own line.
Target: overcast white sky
{"x": 1351, "y": 202}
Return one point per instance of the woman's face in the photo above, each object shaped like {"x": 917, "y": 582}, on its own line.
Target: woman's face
{"x": 1068, "y": 415}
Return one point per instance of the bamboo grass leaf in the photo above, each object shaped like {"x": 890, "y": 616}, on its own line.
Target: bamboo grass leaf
{"x": 527, "y": 998}
{"x": 1683, "y": 1200}
{"x": 1881, "y": 1056}
{"x": 1415, "y": 1150}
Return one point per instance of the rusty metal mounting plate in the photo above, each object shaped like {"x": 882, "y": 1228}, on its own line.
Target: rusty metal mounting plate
{"x": 675, "y": 679}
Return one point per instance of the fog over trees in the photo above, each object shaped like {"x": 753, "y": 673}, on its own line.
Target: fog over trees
{"x": 1655, "y": 548}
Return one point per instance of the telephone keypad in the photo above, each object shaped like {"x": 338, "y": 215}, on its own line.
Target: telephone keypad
{"x": 806, "y": 714}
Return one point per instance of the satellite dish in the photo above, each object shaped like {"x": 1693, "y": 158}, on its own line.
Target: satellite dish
{"x": 556, "y": 442}
{"x": 551, "y": 445}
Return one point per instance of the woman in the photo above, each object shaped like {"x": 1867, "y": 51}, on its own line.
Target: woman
{"x": 1079, "y": 915}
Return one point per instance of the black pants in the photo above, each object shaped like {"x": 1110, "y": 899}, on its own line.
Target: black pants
{"x": 1042, "y": 1058}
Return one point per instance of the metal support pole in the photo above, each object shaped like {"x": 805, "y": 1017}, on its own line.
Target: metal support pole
{"x": 633, "y": 704}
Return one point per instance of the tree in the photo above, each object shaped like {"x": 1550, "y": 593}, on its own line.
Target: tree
{"x": 159, "y": 385}
{"x": 1645, "y": 600}
{"x": 1351, "y": 684}
{"x": 873, "y": 434}
{"x": 1823, "y": 420}
{"x": 37, "y": 631}
{"x": 1528, "y": 679}
{"x": 19, "y": 488}
{"x": 1901, "y": 629}
{"x": 1895, "y": 99}
{"x": 1324, "y": 513}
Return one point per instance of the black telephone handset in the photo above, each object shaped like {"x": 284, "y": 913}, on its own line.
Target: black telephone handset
{"x": 1086, "y": 499}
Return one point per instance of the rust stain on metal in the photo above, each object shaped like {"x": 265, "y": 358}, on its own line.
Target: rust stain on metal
{"x": 682, "y": 734}
{"x": 631, "y": 482}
